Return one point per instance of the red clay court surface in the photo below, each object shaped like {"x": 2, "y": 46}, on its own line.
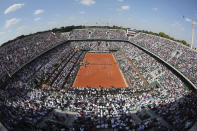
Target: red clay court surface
{"x": 99, "y": 69}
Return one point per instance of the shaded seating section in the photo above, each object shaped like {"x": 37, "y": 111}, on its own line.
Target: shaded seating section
{"x": 181, "y": 57}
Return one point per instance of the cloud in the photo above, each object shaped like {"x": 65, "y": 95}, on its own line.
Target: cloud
{"x": 188, "y": 20}
{"x": 82, "y": 12}
{"x": 87, "y": 2}
{"x": 1, "y": 33}
{"x": 155, "y": 9}
{"x": 125, "y": 7}
{"x": 39, "y": 11}
{"x": 37, "y": 19}
{"x": 13, "y": 8}
{"x": 120, "y": 0}
{"x": 12, "y": 21}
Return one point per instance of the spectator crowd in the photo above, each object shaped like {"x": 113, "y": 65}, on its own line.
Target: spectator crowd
{"x": 15, "y": 54}
{"x": 181, "y": 57}
{"x": 156, "y": 98}
{"x": 106, "y": 34}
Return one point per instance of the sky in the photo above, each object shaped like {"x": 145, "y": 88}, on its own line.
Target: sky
{"x": 18, "y": 17}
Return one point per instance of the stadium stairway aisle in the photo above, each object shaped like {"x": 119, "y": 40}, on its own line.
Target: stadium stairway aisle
{"x": 160, "y": 118}
{"x": 194, "y": 128}
{"x": 2, "y": 128}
